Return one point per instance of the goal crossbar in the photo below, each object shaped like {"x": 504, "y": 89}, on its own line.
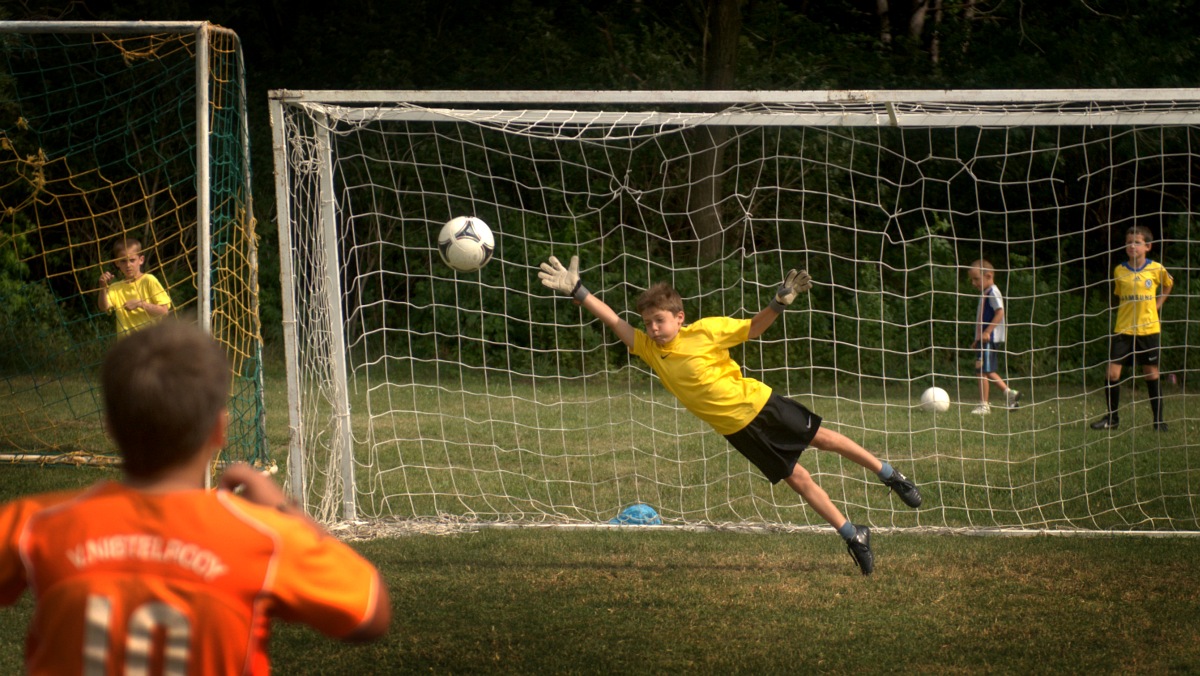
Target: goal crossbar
{"x": 848, "y": 108}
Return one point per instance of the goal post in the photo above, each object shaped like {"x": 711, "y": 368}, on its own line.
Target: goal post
{"x": 114, "y": 130}
{"x": 417, "y": 393}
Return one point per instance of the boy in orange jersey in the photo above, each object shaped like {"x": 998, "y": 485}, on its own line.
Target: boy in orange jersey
{"x": 155, "y": 574}
{"x": 770, "y": 430}
{"x": 137, "y": 300}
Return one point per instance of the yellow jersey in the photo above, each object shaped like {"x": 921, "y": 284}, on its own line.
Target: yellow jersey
{"x": 1138, "y": 290}
{"x": 147, "y": 288}
{"x": 181, "y": 582}
{"x": 696, "y": 367}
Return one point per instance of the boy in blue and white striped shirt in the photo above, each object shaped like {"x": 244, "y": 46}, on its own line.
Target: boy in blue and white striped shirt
{"x": 989, "y": 337}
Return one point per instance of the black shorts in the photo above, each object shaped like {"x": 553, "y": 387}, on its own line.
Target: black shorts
{"x": 1124, "y": 349}
{"x": 775, "y": 438}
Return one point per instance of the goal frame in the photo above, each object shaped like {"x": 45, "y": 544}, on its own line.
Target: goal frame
{"x": 825, "y": 108}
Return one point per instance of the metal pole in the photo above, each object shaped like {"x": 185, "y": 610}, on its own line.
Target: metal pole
{"x": 203, "y": 194}
{"x": 343, "y": 443}
{"x": 101, "y": 26}
{"x": 297, "y": 473}
{"x": 203, "y": 189}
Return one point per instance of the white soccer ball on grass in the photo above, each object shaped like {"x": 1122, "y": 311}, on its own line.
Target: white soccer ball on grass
{"x": 935, "y": 400}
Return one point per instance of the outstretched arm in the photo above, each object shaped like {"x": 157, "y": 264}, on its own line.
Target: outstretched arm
{"x": 566, "y": 280}
{"x": 794, "y": 283}
{"x": 611, "y": 319}
{"x": 762, "y": 321}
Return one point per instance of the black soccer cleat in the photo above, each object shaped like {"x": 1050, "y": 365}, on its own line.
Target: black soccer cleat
{"x": 904, "y": 488}
{"x": 860, "y": 549}
{"x": 1160, "y": 426}
{"x": 1108, "y": 422}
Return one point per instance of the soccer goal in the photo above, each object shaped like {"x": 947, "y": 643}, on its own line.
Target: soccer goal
{"x": 420, "y": 394}
{"x": 111, "y": 131}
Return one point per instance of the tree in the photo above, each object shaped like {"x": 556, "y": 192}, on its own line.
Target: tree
{"x": 722, "y": 31}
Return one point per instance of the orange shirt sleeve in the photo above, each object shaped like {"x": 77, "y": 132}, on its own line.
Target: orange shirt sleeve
{"x": 318, "y": 580}
{"x": 13, "y": 517}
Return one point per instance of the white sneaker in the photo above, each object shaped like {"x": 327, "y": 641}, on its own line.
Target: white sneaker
{"x": 982, "y": 409}
{"x": 1012, "y": 397}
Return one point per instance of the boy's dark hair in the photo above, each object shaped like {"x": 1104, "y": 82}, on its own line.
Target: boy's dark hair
{"x": 164, "y": 388}
{"x": 1141, "y": 230}
{"x": 661, "y": 296}
{"x": 122, "y": 245}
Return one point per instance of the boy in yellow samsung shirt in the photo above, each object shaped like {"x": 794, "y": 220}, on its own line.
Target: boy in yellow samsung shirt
{"x": 770, "y": 430}
{"x": 1142, "y": 286}
{"x": 138, "y": 299}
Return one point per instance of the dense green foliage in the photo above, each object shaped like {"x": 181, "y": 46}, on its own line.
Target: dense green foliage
{"x": 660, "y": 44}
{"x": 29, "y": 318}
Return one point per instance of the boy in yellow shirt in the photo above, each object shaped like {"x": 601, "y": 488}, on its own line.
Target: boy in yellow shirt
{"x": 770, "y": 430}
{"x": 138, "y": 299}
{"x": 1142, "y": 285}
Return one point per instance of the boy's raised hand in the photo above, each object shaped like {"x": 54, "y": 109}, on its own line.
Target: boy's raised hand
{"x": 794, "y": 282}
{"x": 253, "y": 484}
{"x": 564, "y": 280}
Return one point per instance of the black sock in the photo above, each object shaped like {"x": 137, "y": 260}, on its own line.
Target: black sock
{"x": 1113, "y": 390}
{"x": 1152, "y": 386}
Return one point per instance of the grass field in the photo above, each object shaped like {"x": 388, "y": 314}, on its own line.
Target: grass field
{"x": 559, "y": 450}
{"x": 556, "y": 451}
{"x": 643, "y": 600}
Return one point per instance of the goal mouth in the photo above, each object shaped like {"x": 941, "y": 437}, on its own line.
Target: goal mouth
{"x": 418, "y": 394}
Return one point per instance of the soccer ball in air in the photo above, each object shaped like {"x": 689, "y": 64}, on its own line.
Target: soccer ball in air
{"x": 466, "y": 243}
{"x": 935, "y": 400}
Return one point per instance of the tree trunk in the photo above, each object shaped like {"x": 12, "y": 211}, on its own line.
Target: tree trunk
{"x": 968, "y": 22}
{"x": 882, "y": 12}
{"x": 723, "y": 29}
{"x": 935, "y": 42}
{"x": 916, "y": 20}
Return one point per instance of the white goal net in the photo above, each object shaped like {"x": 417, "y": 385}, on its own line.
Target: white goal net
{"x": 417, "y": 393}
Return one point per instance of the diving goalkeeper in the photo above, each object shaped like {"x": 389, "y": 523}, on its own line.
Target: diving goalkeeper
{"x": 693, "y": 363}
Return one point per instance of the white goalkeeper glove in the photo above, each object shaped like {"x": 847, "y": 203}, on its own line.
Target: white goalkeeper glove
{"x": 794, "y": 282}
{"x": 564, "y": 280}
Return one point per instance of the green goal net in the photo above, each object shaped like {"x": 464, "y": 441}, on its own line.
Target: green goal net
{"x": 109, "y": 132}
